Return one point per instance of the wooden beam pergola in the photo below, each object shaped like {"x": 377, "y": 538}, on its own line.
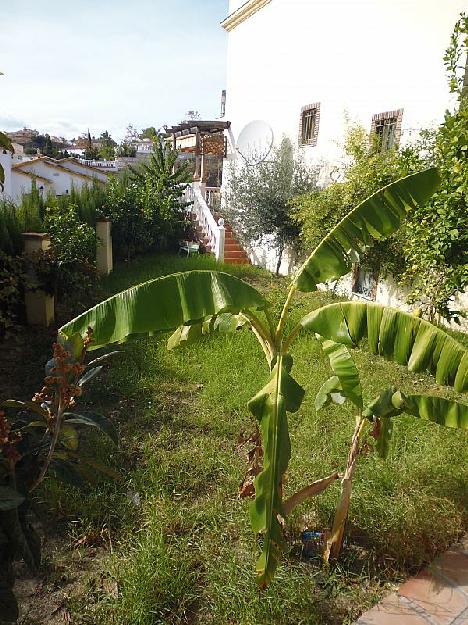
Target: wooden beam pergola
{"x": 200, "y": 129}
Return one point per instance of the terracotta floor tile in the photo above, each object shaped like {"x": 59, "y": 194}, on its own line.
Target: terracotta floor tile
{"x": 439, "y": 599}
{"x": 454, "y": 565}
{"x": 391, "y": 611}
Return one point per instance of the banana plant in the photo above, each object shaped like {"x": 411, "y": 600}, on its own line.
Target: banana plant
{"x": 402, "y": 338}
{"x": 195, "y": 303}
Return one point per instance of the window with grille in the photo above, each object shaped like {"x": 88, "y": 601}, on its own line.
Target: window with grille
{"x": 386, "y": 127}
{"x": 309, "y": 124}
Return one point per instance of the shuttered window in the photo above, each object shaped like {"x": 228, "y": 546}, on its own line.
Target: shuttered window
{"x": 309, "y": 124}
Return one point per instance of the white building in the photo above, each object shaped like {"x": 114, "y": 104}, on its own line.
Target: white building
{"x": 301, "y": 65}
{"x": 49, "y": 175}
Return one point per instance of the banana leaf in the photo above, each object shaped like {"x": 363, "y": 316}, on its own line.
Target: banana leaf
{"x": 282, "y": 394}
{"x": 330, "y": 391}
{"x": 225, "y": 323}
{"x": 377, "y": 217}
{"x": 446, "y": 412}
{"x": 395, "y": 335}
{"x": 165, "y": 304}
{"x": 345, "y": 370}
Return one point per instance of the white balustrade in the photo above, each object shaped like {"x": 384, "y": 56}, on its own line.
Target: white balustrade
{"x": 214, "y": 231}
{"x": 213, "y": 197}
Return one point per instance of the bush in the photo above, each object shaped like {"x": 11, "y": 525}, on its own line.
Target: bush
{"x": 12, "y": 282}
{"x": 71, "y": 240}
{"x": 258, "y": 198}
{"x": 89, "y": 202}
{"x": 130, "y": 233}
{"x": 144, "y": 204}
{"x": 364, "y": 170}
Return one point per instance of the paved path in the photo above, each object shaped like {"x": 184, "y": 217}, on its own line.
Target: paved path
{"x": 437, "y": 596}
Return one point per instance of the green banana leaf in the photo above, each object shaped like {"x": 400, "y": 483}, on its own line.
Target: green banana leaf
{"x": 391, "y": 403}
{"x": 395, "y": 335}
{"x": 282, "y": 394}
{"x": 377, "y": 217}
{"x": 330, "y": 391}
{"x": 446, "y": 412}
{"x": 225, "y": 323}
{"x": 344, "y": 368}
{"x": 165, "y": 304}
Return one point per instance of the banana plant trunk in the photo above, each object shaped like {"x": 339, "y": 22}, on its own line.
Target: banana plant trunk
{"x": 335, "y": 540}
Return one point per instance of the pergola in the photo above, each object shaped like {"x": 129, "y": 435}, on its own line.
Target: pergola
{"x": 203, "y": 131}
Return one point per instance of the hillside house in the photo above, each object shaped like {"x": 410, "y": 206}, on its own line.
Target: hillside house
{"x": 48, "y": 175}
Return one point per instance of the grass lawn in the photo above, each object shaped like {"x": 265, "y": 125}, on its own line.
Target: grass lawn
{"x": 179, "y": 548}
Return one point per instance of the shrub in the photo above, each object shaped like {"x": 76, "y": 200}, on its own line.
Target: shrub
{"x": 258, "y": 198}
{"x": 130, "y": 233}
{"x": 13, "y": 278}
{"x": 364, "y": 170}
{"x": 71, "y": 240}
{"x": 89, "y": 202}
{"x": 145, "y": 204}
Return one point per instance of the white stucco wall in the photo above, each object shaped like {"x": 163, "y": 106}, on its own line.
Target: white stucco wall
{"x": 83, "y": 169}
{"x": 21, "y": 184}
{"x": 356, "y": 56}
{"x": 6, "y": 163}
{"x": 61, "y": 179}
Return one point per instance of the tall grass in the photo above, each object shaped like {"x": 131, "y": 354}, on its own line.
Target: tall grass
{"x": 30, "y": 214}
{"x": 89, "y": 202}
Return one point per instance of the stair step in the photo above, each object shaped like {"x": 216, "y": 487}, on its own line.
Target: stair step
{"x": 237, "y": 261}
{"x": 234, "y": 253}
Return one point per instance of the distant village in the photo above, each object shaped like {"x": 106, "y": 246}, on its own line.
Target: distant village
{"x": 31, "y": 142}
{"x": 55, "y": 164}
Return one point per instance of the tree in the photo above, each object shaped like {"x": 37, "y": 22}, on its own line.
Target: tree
{"x": 107, "y": 149}
{"x": 48, "y": 148}
{"x": 149, "y": 133}
{"x": 131, "y": 134}
{"x": 91, "y": 152}
{"x": 195, "y": 303}
{"x": 125, "y": 150}
{"x": 258, "y": 198}
{"x": 437, "y": 242}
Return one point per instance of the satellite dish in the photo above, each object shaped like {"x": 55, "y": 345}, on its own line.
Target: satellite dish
{"x": 255, "y": 142}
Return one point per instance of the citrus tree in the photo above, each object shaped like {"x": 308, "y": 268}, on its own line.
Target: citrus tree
{"x": 196, "y": 303}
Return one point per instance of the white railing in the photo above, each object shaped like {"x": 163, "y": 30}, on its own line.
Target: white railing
{"x": 214, "y": 231}
{"x": 213, "y": 197}
{"x": 101, "y": 164}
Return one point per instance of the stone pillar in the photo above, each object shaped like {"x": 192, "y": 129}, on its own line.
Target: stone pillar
{"x": 103, "y": 247}
{"x": 39, "y": 304}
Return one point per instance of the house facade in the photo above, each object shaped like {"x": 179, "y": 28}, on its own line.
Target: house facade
{"x": 303, "y": 66}
{"x": 47, "y": 174}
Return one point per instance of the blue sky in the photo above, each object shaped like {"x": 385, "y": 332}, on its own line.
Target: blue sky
{"x": 104, "y": 64}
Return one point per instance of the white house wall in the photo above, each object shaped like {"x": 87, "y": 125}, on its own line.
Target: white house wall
{"x": 82, "y": 169}
{"x": 62, "y": 180}
{"x": 357, "y": 56}
{"x": 6, "y": 163}
{"x": 21, "y": 184}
